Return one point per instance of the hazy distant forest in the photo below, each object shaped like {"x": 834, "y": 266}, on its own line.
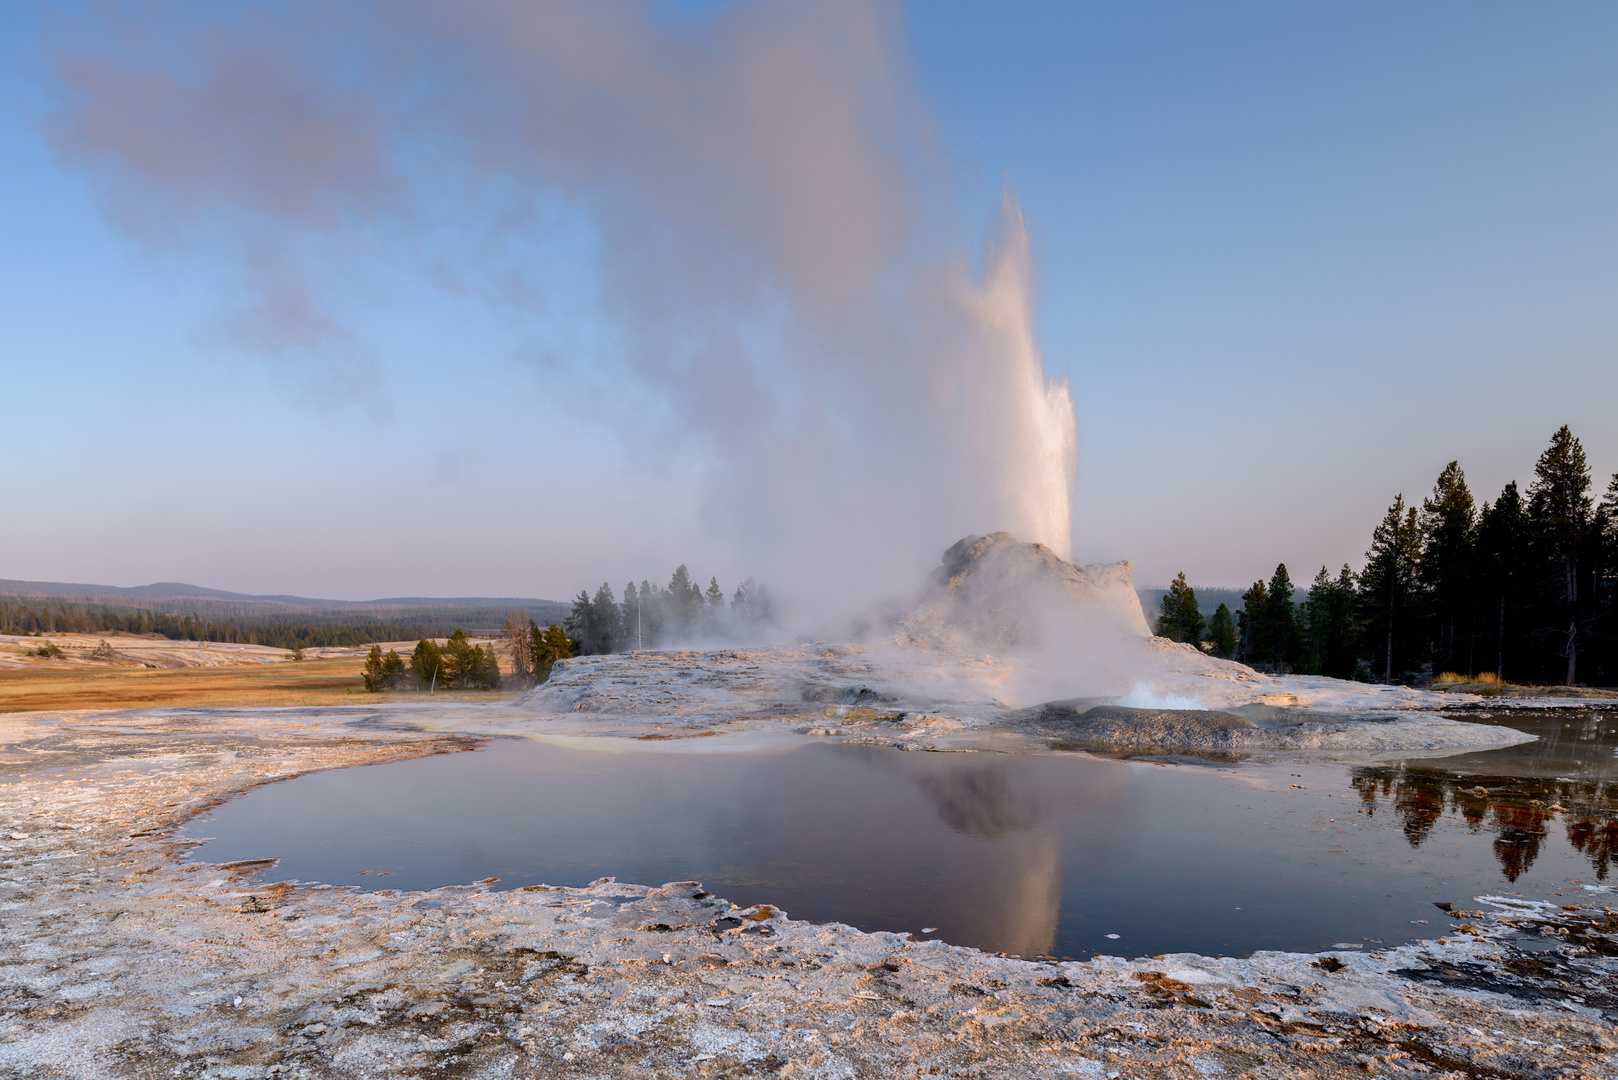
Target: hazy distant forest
{"x": 289, "y": 632}
{"x": 681, "y": 613}
{"x": 1521, "y": 587}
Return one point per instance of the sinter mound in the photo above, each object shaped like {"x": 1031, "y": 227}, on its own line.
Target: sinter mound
{"x": 993, "y": 592}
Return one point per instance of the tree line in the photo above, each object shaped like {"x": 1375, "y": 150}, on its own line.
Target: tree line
{"x": 683, "y": 612}
{"x": 460, "y": 665}
{"x": 1521, "y": 587}
{"x": 46, "y": 617}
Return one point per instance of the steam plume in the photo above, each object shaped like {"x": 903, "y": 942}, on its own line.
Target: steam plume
{"x": 755, "y": 201}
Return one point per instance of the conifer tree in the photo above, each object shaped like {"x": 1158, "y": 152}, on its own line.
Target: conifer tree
{"x": 1604, "y": 577}
{"x": 605, "y": 621}
{"x": 579, "y": 619}
{"x": 460, "y": 660}
{"x": 1559, "y": 506}
{"x": 1178, "y": 616}
{"x": 1389, "y": 586}
{"x": 373, "y": 670}
{"x": 1330, "y": 642}
{"x": 633, "y": 618}
{"x": 485, "y": 673}
{"x": 1502, "y": 553}
{"x": 685, "y": 602}
{"x": 1280, "y": 617}
{"x": 1448, "y": 525}
{"x": 651, "y": 613}
{"x": 1222, "y": 632}
{"x": 427, "y": 662}
{"x": 1251, "y": 643}
{"x": 549, "y": 646}
{"x": 713, "y": 609}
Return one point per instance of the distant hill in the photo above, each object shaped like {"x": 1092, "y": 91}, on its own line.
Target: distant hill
{"x": 178, "y": 598}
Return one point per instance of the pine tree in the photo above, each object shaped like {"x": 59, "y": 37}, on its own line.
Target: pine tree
{"x": 633, "y": 622}
{"x": 1502, "y": 552}
{"x": 713, "y": 610}
{"x": 1178, "y": 616}
{"x": 1330, "y": 645}
{"x": 651, "y": 613}
{"x": 428, "y": 663}
{"x": 1604, "y": 576}
{"x": 485, "y": 674}
{"x": 1222, "y": 632}
{"x": 606, "y": 621}
{"x": 1280, "y": 617}
{"x": 460, "y": 660}
{"x": 373, "y": 670}
{"x": 549, "y": 646}
{"x": 1559, "y": 507}
{"x": 1389, "y": 587}
{"x": 1251, "y": 643}
{"x": 685, "y": 602}
{"x": 578, "y": 621}
{"x": 1448, "y": 524}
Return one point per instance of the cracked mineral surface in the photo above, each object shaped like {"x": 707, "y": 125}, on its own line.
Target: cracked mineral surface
{"x": 121, "y": 959}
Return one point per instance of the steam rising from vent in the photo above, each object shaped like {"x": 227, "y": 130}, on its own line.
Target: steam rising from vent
{"x": 737, "y": 232}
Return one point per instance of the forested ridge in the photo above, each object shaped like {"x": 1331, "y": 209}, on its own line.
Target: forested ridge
{"x": 282, "y": 632}
{"x": 1521, "y": 588}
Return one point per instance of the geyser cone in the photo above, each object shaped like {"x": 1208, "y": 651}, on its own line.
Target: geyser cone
{"x": 995, "y": 592}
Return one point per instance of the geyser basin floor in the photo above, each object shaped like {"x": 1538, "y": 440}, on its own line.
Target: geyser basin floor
{"x": 1028, "y": 855}
{"x": 121, "y": 962}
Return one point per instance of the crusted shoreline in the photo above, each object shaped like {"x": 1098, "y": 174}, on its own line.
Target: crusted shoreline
{"x": 122, "y": 960}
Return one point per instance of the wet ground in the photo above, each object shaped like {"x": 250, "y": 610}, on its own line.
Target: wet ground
{"x": 1061, "y": 855}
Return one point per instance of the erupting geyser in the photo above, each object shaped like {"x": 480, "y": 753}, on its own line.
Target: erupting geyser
{"x": 1028, "y": 433}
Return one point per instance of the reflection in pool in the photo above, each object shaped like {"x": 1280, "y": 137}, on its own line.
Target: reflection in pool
{"x": 1517, "y": 795}
{"x": 1032, "y": 855}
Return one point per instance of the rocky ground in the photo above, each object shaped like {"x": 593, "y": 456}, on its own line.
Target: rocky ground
{"x": 121, "y": 959}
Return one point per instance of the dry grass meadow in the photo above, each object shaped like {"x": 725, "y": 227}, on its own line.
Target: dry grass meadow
{"x": 154, "y": 673}
{"x": 310, "y": 682}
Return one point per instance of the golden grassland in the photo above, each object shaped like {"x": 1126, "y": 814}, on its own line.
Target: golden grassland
{"x": 1447, "y": 678}
{"x": 334, "y": 681}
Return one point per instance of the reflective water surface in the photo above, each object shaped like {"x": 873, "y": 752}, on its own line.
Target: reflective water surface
{"x": 1049, "y": 855}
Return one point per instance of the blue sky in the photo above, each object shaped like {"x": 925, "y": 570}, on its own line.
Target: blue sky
{"x": 1294, "y": 259}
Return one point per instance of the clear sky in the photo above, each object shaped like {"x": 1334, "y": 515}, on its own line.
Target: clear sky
{"x": 1293, "y": 259}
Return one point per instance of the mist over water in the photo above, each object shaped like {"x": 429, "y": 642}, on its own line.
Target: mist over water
{"x": 737, "y": 231}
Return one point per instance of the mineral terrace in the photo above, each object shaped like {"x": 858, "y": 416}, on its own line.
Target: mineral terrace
{"x": 123, "y": 959}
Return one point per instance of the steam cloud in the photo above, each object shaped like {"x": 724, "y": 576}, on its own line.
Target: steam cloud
{"x": 755, "y": 201}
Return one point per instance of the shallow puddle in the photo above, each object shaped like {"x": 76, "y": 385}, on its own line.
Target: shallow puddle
{"x": 1055, "y": 855}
